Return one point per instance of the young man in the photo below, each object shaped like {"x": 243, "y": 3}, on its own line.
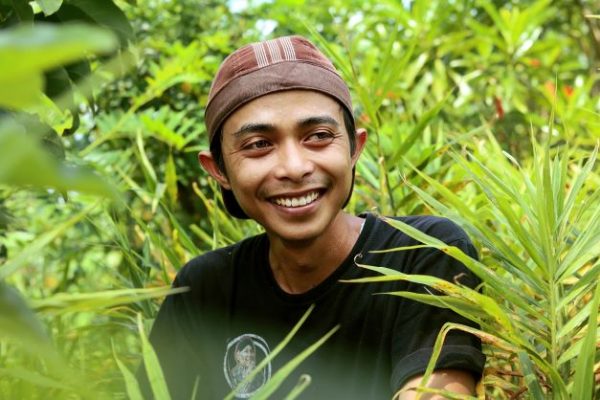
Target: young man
{"x": 284, "y": 149}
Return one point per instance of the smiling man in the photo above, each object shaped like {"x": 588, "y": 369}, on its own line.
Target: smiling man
{"x": 283, "y": 147}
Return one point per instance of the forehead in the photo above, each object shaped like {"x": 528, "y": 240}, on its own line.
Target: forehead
{"x": 283, "y": 108}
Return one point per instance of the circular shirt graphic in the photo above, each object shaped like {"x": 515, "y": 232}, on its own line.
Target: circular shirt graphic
{"x": 243, "y": 354}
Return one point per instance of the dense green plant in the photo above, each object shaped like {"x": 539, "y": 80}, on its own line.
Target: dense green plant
{"x": 539, "y": 224}
{"x": 426, "y": 77}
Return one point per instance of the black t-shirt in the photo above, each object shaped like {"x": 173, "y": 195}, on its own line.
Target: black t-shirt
{"x": 235, "y": 314}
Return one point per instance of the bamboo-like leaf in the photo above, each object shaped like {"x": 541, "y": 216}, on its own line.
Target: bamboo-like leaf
{"x": 417, "y": 131}
{"x": 302, "y": 384}
{"x": 152, "y": 366}
{"x": 574, "y": 322}
{"x": 148, "y": 169}
{"x": 475, "y": 266}
{"x": 171, "y": 179}
{"x": 583, "y": 282}
{"x": 503, "y": 197}
{"x": 486, "y": 304}
{"x": 131, "y": 384}
{"x": 33, "y": 250}
{"x": 531, "y": 380}
{"x": 583, "y": 383}
{"x": 458, "y": 305}
{"x": 475, "y": 225}
{"x": 182, "y": 235}
{"x": 277, "y": 379}
{"x": 585, "y": 247}
{"x": 77, "y": 302}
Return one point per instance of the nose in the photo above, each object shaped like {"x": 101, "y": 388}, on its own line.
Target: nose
{"x": 294, "y": 162}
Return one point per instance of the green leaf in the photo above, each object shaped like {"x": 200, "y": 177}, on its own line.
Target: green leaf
{"x": 271, "y": 356}
{"x": 302, "y": 384}
{"x": 34, "y": 249}
{"x": 106, "y": 13}
{"x": 19, "y": 324}
{"x": 171, "y": 180}
{"x": 152, "y": 365}
{"x": 23, "y": 10}
{"x": 77, "y": 302}
{"x": 531, "y": 380}
{"x": 27, "y": 51}
{"x": 49, "y": 7}
{"x": 277, "y": 379}
{"x": 131, "y": 384}
{"x": 417, "y": 130}
{"x": 23, "y": 162}
{"x": 583, "y": 383}
{"x": 34, "y": 377}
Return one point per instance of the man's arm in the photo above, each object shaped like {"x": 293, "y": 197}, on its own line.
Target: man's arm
{"x": 453, "y": 380}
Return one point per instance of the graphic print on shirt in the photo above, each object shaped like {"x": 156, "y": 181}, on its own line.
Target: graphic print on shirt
{"x": 242, "y": 355}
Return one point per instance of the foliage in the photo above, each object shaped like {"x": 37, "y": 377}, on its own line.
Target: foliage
{"x": 101, "y": 198}
{"x": 539, "y": 224}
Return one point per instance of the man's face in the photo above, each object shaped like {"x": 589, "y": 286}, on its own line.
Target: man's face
{"x": 288, "y": 162}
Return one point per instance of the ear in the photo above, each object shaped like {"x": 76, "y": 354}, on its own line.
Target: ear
{"x": 361, "y": 140}
{"x": 209, "y": 164}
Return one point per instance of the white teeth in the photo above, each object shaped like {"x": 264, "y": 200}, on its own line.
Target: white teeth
{"x": 296, "y": 201}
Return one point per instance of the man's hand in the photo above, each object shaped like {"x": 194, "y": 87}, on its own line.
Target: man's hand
{"x": 452, "y": 380}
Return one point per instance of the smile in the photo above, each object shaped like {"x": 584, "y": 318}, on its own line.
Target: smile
{"x": 300, "y": 201}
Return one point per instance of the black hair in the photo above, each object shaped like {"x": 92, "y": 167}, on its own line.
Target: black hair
{"x": 217, "y": 153}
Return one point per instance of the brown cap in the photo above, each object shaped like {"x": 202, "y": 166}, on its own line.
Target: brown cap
{"x": 257, "y": 69}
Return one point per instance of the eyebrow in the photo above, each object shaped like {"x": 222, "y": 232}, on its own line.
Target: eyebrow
{"x": 318, "y": 120}
{"x": 269, "y": 128}
{"x": 252, "y": 127}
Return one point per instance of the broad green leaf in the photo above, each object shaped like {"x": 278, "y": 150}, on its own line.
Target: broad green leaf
{"x": 23, "y": 10}
{"x": 49, "y": 7}
{"x": 27, "y": 51}
{"x": 106, "y": 13}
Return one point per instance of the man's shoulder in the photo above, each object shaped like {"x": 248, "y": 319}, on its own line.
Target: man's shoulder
{"x": 441, "y": 228}
{"x": 216, "y": 264}
{"x": 382, "y": 235}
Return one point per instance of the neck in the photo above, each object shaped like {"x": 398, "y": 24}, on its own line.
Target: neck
{"x": 300, "y": 266}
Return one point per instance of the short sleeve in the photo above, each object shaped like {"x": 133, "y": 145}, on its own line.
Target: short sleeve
{"x": 417, "y": 326}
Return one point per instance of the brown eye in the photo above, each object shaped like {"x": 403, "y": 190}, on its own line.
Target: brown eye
{"x": 320, "y": 137}
{"x": 257, "y": 145}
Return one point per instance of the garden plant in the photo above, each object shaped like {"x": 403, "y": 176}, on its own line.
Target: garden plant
{"x": 485, "y": 112}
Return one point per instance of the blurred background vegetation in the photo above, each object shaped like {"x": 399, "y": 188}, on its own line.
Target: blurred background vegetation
{"x": 484, "y": 111}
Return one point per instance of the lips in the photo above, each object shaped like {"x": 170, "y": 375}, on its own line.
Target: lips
{"x": 296, "y": 201}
